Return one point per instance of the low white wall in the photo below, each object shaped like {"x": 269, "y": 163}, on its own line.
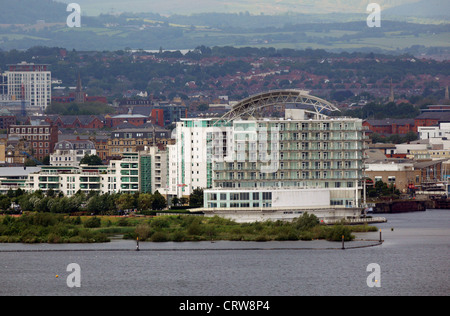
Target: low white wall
{"x": 301, "y": 198}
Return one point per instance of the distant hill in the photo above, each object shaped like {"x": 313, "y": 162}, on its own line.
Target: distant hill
{"x": 424, "y": 9}
{"x": 54, "y": 11}
{"x": 30, "y": 11}
{"x": 186, "y": 7}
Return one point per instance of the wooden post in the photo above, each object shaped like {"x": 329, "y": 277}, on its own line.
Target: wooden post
{"x": 343, "y": 247}
{"x": 380, "y": 236}
{"x": 137, "y": 244}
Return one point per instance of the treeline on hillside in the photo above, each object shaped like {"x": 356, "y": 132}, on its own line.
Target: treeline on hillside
{"x": 374, "y": 110}
{"x": 394, "y": 139}
{"x": 95, "y": 74}
{"x": 73, "y": 108}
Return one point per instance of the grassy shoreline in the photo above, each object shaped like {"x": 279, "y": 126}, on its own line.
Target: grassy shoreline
{"x": 57, "y": 228}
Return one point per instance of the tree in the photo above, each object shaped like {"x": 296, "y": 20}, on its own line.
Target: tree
{"x": 91, "y": 160}
{"x": 306, "y": 221}
{"x": 158, "y": 201}
{"x": 184, "y": 201}
{"x": 196, "y": 198}
{"x": 125, "y": 201}
{"x": 5, "y": 202}
{"x": 95, "y": 204}
{"x": 46, "y": 160}
{"x": 145, "y": 201}
{"x": 175, "y": 201}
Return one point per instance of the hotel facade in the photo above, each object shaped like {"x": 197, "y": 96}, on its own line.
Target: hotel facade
{"x": 298, "y": 153}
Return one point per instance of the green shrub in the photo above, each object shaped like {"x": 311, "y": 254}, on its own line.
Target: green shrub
{"x": 178, "y": 236}
{"x": 93, "y": 222}
{"x": 262, "y": 238}
{"x": 306, "y": 235}
{"x": 194, "y": 227}
{"x": 159, "y": 237}
{"x": 287, "y": 236}
{"x": 336, "y": 232}
{"x": 54, "y": 238}
{"x": 160, "y": 222}
{"x": 306, "y": 221}
{"x": 143, "y": 231}
{"x": 122, "y": 222}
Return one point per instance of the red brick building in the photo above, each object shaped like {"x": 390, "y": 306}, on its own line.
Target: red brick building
{"x": 73, "y": 121}
{"x": 391, "y": 126}
{"x": 41, "y": 136}
{"x": 431, "y": 119}
{"x": 79, "y": 121}
{"x": 6, "y": 119}
{"x": 134, "y": 119}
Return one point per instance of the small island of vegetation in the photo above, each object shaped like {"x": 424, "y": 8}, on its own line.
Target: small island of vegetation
{"x": 60, "y": 228}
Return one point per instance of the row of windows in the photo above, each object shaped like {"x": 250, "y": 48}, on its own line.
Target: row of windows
{"x": 286, "y": 184}
{"x": 309, "y": 126}
{"x": 40, "y": 144}
{"x": 240, "y": 196}
{"x": 238, "y": 205}
{"x": 29, "y": 130}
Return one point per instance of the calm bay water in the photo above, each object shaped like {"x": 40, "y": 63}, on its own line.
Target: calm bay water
{"x": 413, "y": 260}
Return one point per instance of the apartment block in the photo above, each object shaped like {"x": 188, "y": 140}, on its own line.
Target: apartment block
{"x": 297, "y": 153}
{"x": 192, "y": 155}
{"x": 144, "y": 172}
{"x": 153, "y": 172}
{"x": 31, "y": 82}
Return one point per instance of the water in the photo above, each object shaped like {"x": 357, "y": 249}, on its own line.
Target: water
{"x": 413, "y": 260}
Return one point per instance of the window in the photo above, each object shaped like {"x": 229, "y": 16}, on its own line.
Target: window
{"x": 245, "y": 196}
{"x": 267, "y": 195}
{"x": 234, "y": 196}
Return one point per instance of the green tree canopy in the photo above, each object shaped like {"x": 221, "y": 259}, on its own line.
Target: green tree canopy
{"x": 196, "y": 198}
{"x": 91, "y": 160}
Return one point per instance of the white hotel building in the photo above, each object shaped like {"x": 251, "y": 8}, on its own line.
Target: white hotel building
{"x": 306, "y": 160}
